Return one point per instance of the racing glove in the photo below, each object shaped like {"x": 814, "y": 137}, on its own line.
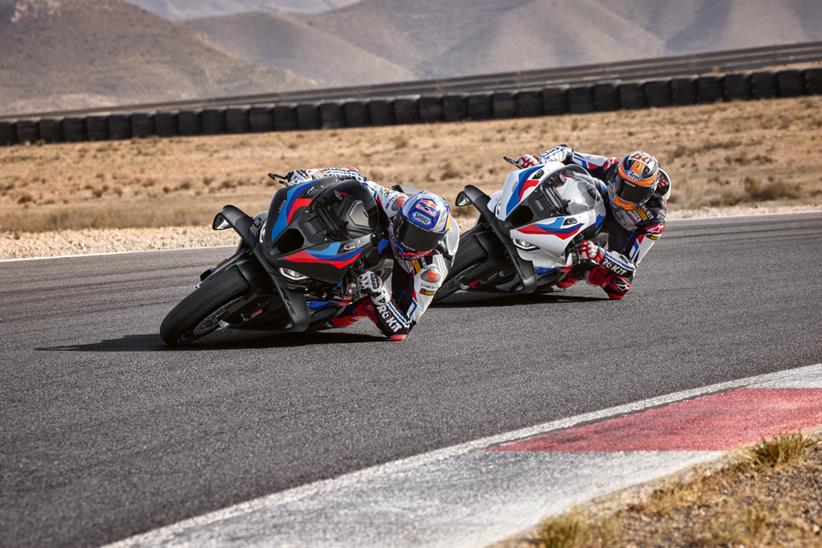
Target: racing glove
{"x": 590, "y": 251}
{"x": 296, "y": 177}
{"x": 370, "y": 284}
{"x": 559, "y": 153}
{"x": 528, "y": 160}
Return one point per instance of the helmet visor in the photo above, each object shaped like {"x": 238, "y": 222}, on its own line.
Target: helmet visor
{"x": 416, "y": 239}
{"x": 631, "y": 193}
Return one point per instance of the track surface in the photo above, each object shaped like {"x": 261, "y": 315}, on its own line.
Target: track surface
{"x": 104, "y": 433}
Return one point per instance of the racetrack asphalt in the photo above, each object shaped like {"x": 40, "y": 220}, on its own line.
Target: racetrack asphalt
{"x": 105, "y": 433}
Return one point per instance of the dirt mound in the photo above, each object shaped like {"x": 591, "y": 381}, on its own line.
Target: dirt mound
{"x": 111, "y": 49}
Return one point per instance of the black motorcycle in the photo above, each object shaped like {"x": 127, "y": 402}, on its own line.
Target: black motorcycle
{"x": 295, "y": 267}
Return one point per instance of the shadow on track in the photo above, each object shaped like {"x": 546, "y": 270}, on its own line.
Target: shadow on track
{"x": 219, "y": 341}
{"x": 475, "y": 299}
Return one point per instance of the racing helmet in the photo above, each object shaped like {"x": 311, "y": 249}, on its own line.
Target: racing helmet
{"x": 420, "y": 225}
{"x": 634, "y": 181}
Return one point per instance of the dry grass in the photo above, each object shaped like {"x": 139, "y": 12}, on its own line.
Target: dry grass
{"x": 777, "y": 451}
{"x": 766, "y": 495}
{"x": 725, "y": 154}
{"x": 578, "y": 529}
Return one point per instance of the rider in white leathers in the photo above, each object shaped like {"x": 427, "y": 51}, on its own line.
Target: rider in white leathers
{"x": 422, "y": 241}
{"x": 637, "y": 195}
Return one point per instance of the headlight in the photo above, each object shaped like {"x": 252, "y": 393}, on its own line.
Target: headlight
{"x": 293, "y": 275}
{"x": 525, "y": 246}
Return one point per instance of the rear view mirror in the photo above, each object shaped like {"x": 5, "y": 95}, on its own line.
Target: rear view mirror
{"x": 220, "y": 223}
{"x": 462, "y": 200}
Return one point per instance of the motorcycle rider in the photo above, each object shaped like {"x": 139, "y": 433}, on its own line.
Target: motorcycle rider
{"x": 637, "y": 196}
{"x": 423, "y": 242}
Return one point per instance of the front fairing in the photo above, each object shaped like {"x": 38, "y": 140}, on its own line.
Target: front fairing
{"x": 534, "y": 224}
{"x": 299, "y": 239}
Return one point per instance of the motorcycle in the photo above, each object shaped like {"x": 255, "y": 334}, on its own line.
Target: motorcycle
{"x": 295, "y": 267}
{"x": 525, "y": 241}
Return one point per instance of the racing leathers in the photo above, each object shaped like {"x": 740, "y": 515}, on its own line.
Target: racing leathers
{"x": 397, "y": 304}
{"x": 630, "y": 233}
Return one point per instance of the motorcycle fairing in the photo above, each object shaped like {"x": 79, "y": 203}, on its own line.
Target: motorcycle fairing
{"x": 320, "y": 243}
{"x": 288, "y": 200}
{"x": 325, "y": 262}
{"x": 550, "y": 222}
{"x": 518, "y": 183}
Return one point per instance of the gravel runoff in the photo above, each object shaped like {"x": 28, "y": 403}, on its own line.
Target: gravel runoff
{"x": 21, "y": 245}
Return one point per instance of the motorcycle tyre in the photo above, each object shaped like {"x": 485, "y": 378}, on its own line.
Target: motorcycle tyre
{"x": 215, "y": 292}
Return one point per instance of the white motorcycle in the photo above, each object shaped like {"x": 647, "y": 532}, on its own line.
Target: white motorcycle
{"x": 526, "y": 236}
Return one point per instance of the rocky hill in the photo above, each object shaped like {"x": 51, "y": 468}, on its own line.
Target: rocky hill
{"x": 284, "y": 42}
{"x": 66, "y": 53}
{"x": 76, "y": 53}
{"x": 190, "y": 9}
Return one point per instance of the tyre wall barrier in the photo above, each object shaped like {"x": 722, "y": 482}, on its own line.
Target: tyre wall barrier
{"x": 632, "y": 96}
{"x": 74, "y": 129}
{"x": 7, "y": 134}
{"x": 504, "y": 105}
{"x": 431, "y": 109}
{"x": 683, "y": 91}
{"x": 119, "y": 126}
{"x": 308, "y": 116}
{"x": 166, "y": 124}
{"x": 709, "y": 89}
{"x": 236, "y": 120}
{"x": 479, "y": 106}
{"x": 763, "y": 85}
{"x": 96, "y": 128}
{"x": 285, "y": 118}
{"x": 262, "y": 119}
{"x": 451, "y": 107}
{"x": 331, "y": 115}
{"x": 813, "y": 80}
{"x": 555, "y": 100}
{"x": 658, "y": 93}
{"x": 356, "y": 114}
{"x": 580, "y": 99}
{"x": 213, "y": 121}
{"x": 790, "y": 83}
{"x": 406, "y": 110}
{"x": 381, "y": 112}
{"x": 737, "y": 87}
{"x": 529, "y": 103}
{"x": 606, "y": 96}
{"x": 455, "y": 108}
{"x": 26, "y": 131}
{"x": 50, "y": 130}
{"x": 188, "y": 122}
{"x": 142, "y": 125}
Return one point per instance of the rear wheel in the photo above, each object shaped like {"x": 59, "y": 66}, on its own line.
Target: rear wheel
{"x": 197, "y": 314}
{"x": 473, "y": 261}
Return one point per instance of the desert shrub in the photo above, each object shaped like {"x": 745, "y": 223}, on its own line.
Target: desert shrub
{"x": 772, "y": 190}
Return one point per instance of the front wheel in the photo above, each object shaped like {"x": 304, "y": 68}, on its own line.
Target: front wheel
{"x": 198, "y": 313}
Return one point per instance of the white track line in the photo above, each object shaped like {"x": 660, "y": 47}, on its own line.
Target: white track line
{"x": 106, "y": 253}
{"x": 167, "y": 533}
